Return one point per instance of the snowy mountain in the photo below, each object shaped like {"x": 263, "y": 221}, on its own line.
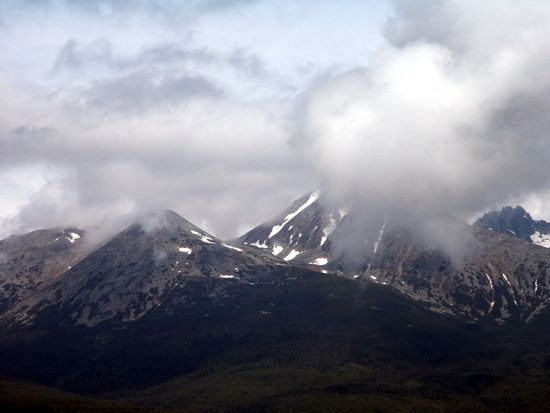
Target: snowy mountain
{"x": 27, "y": 261}
{"x": 169, "y": 260}
{"x": 517, "y": 222}
{"x": 302, "y": 234}
{"x": 143, "y": 268}
{"x": 499, "y": 276}
{"x": 172, "y": 315}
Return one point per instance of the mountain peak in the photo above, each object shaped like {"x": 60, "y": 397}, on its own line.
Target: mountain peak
{"x": 516, "y": 221}
{"x": 517, "y": 212}
{"x": 164, "y": 220}
{"x": 148, "y": 265}
{"x": 172, "y": 218}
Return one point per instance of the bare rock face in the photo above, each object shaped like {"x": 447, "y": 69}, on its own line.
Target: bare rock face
{"x": 27, "y": 261}
{"x": 497, "y": 276}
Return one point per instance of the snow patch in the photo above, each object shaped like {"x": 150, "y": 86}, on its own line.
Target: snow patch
{"x": 342, "y": 212}
{"x": 492, "y": 303}
{"x": 291, "y": 255}
{"x": 226, "y": 276}
{"x": 510, "y": 285}
{"x": 232, "y": 247}
{"x": 72, "y": 237}
{"x": 277, "y": 228}
{"x": 320, "y": 261}
{"x": 380, "y": 235}
{"x": 541, "y": 239}
{"x": 203, "y": 237}
{"x": 258, "y": 245}
{"x": 507, "y": 282}
{"x": 328, "y": 230}
{"x": 277, "y": 249}
{"x": 490, "y": 281}
{"x": 185, "y": 250}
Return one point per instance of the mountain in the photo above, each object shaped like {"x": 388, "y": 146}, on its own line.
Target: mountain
{"x": 141, "y": 268}
{"x": 496, "y": 276}
{"x": 517, "y": 222}
{"x": 302, "y": 234}
{"x": 300, "y": 340}
{"x": 164, "y": 315}
{"x": 27, "y": 261}
{"x": 164, "y": 298}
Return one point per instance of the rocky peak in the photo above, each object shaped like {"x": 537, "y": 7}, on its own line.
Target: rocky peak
{"x": 514, "y": 221}
{"x": 518, "y": 223}
{"x": 150, "y": 264}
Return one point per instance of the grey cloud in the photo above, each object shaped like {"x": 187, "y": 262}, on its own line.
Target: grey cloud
{"x": 144, "y": 90}
{"x": 74, "y": 56}
{"x": 26, "y": 144}
{"x": 247, "y": 63}
{"x": 449, "y": 120}
{"x": 168, "y": 53}
{"x": 239, "y": 59}
{"x": 110, "y": 196}
{"x": 412, "y": 21}
{"x": 170, "y": 10}
{"x": 193, "y": 158}
{"x": 71, "y": 58}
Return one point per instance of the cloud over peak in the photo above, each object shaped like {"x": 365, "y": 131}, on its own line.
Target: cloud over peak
{"x": 225, "y": 111}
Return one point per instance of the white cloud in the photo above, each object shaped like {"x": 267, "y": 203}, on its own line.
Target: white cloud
{"x": 134, "y": 111}
{"x": 448, "y": 120}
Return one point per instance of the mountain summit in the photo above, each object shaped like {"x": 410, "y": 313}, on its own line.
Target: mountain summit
{"x": 147, "y": 265}
{"x": 499, "y": 277}
{"x": 518, "y": 223}
{"x": 28, "y": 261}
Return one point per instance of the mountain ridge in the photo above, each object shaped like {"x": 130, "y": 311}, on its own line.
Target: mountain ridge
{"x": 498, "y": 277}
{"x": 139, "y": 268}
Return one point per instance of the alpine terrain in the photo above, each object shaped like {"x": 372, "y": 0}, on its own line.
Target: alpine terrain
{"x": 27, "y": 261}
{"x": 497, "y": 277}
{"x": 165, "y": 316}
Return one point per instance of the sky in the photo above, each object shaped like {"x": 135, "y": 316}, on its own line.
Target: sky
{"x": 114, "y": 108}
{"x": 226, "y": 111}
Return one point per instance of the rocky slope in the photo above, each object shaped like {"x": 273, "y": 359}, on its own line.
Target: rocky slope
{"x": 144, "y": 267}
{"x": 168, "y": 316}
{"x": 496, "y": 276}
{"x": 499, "y": 277}
{"x": 27, "y": 261}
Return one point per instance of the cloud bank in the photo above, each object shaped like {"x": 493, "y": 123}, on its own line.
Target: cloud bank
{"x": 112, "y": 109}
{"x": 225, "y": 111}
{"x": 449, "y": 119}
